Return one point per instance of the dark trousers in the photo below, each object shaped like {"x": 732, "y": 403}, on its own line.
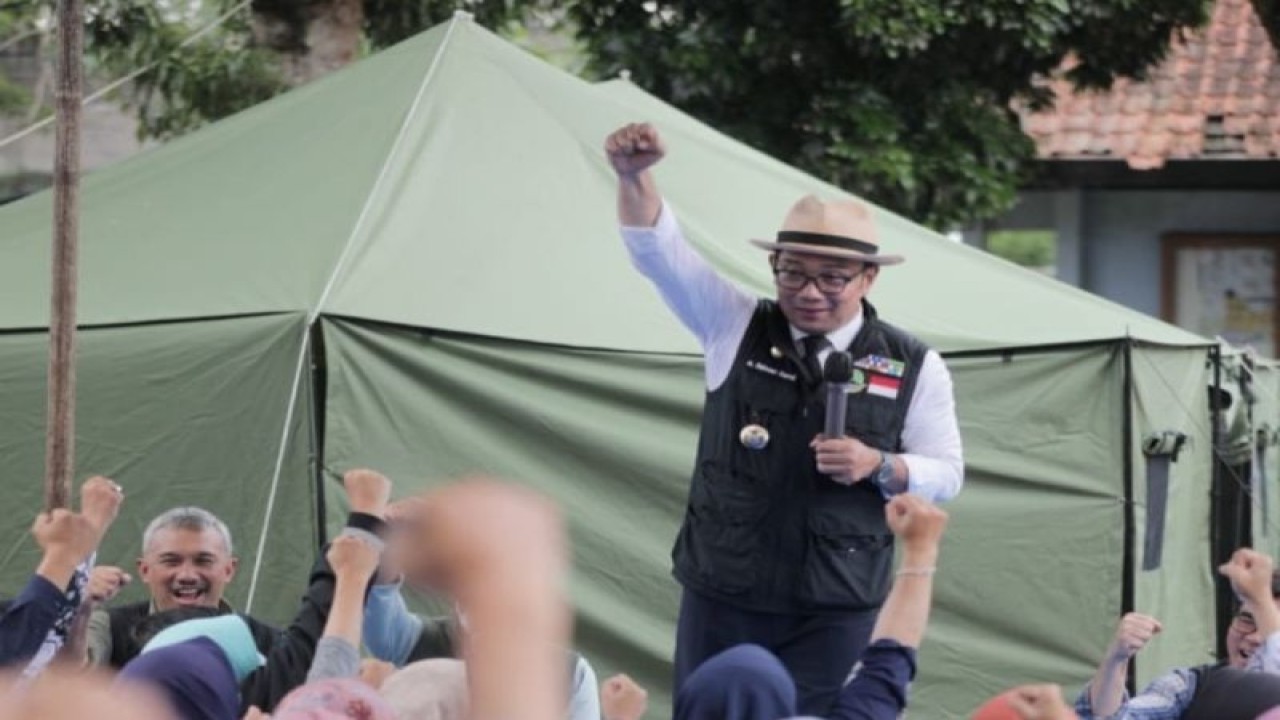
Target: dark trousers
{"x": 818, "y": 651}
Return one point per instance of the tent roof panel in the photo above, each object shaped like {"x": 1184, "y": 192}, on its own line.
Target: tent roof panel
{"x": 457, "y": 182}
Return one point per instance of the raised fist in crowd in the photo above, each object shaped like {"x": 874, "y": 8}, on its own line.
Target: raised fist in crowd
{"x": 368, "y": 491}
{"x": 1132, "y": 635}
{"x": 621, "y": 698}
{"x": 352, "y": 557}
{"x": 916, "y": 522}
{"x": 634, "y": 148}
{"x": 1250, "y": 574}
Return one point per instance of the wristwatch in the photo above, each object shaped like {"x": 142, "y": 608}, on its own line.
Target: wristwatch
{"x": 884, "y": 474}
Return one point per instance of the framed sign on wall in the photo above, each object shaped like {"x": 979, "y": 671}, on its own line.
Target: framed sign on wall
{"x": 1223, "y": 286}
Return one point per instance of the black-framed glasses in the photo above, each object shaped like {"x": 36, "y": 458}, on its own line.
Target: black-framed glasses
{"x": 826, "y": 282}
{"x": 1244, "y": 623}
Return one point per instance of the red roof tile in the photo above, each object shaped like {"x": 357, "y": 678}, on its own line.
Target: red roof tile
{"x": 1216, "y": 95}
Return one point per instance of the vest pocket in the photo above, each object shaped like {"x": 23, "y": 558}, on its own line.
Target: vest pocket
{"x": 871, "y": 420}
{"x": 845, "y": 567}
{"x": 722, "y": 528}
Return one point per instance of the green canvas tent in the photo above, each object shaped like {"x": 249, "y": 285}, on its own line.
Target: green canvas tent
{"x": 413, "y": 265}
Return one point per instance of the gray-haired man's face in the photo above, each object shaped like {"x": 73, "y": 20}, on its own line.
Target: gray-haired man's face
{"x": 184, "y": 567}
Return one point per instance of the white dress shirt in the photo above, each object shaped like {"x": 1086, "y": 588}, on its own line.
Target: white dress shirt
{"x": 718, "y": 313}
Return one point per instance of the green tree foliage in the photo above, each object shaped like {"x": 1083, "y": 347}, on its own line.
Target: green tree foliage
{"x": 1028, "y": 248}
{"x": 195, "y": 77}
{"x": 907, "y": 102}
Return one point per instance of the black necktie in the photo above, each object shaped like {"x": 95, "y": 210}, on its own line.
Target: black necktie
{"x": 813, "y": 346}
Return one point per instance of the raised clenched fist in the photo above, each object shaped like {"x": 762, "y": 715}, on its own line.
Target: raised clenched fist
{"x": 1132, "y": 635}
{"x": 105, "y": 582}
{"x": 916, "y": 522}
{"x": 634, "y": 148}
{"x": 66, "y": 536}
{"x": 100, "y": 500}
{"x": 487, "y": 527}
{"x": 621, "y": 698}
{"x": 1250, "y": 574}
{"x": 352, "y": 557}
{"x": 368, "y": 491}
{"x": 1040, "y": 702}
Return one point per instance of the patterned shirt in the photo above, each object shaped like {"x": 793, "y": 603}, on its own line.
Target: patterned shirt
{"x": 1169, "y": 695}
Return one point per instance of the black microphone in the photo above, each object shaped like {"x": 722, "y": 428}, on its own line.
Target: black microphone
{"x": 837, "y": 372}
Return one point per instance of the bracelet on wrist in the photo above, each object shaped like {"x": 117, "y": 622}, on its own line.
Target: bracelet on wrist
{"x": 916, "y": 571}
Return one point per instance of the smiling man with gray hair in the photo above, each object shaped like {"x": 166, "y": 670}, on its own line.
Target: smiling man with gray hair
{"x": 186, "y": 562}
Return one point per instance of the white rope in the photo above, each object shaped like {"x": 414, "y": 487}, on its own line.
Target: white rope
{"x": 275, "y": 477}
{"x": 100, "y": 93}
{"x": 384, "y": 171}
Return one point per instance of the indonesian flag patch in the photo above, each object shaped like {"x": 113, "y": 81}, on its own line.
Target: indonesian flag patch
{"x": 884, "y": 386}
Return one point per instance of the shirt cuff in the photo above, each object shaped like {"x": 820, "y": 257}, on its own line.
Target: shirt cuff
{"x": 639, "y": 237}
{"x": 364, "y": 535}
{"x": 40, "y": 588}
{"x": 386, "y": 590}
{"x": 369, "y": 523}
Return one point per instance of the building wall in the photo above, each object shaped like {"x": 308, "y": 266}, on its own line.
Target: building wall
{"x": 108, "y": 131}
{"x": 1109, "y": 240}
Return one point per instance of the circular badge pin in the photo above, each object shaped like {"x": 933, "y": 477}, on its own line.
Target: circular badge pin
{"x": 754, "y": 437}
{"x": 775, "y": 352}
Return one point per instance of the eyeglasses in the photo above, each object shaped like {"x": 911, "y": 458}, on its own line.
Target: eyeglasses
{"x": 1244, "y": 623}
{"x": 826, "y": 282}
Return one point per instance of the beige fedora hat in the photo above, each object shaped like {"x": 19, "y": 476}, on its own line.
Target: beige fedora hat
{"x": 839, "y": 228}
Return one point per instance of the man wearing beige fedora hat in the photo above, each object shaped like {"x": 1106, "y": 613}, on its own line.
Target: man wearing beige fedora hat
{"x": 784, "y": 542}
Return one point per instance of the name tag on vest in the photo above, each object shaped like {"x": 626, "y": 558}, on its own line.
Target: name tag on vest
{"x": 767, "y": 370}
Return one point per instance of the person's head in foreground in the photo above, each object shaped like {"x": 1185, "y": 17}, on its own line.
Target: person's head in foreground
{"x": 429, "y": 690}
{"x": 58, "y": 694}
{"x": 1026, "y": 702}
{"x": 334, "y": 699}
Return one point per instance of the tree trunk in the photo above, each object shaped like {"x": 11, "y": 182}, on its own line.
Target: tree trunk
{"x": 313, "y": 37}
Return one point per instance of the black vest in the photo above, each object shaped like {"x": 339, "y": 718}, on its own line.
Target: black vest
{"x": 125, "y": 646}
{"x": 764, "y": 530}
{"x": 1227, "y": 693}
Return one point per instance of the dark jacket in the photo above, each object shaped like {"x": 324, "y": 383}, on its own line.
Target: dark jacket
{"x": 764, "y": 530}
{"x": 1227, "y": 693}
{"x": 28, "y": 618}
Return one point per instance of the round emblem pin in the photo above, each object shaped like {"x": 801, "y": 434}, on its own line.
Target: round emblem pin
{"x": 754, "y": 437}
{"x": 775, "y": 352}
{"x": 858, "y": 382}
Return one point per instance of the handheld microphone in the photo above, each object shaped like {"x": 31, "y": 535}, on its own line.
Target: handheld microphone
{"x": 837, "y": 372}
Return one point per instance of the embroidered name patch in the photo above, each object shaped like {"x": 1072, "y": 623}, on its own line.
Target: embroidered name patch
{"x": 776, "y": 372}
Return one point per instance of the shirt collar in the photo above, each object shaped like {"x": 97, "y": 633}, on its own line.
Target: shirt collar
{"x": 840, "y": 338}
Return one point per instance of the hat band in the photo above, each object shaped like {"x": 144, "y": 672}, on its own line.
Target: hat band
{"x": 799, "y": 237}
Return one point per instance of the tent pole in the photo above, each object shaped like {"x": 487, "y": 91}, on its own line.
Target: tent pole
{"x": 60, "y": 420}
{"x": 319, "y": 381}
{"x": 1221, "y": 506}
{"x": 1129, "y": 565}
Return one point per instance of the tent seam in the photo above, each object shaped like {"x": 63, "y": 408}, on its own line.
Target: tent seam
{"x": 275, "y": 476}
{"x": 362, "y": 218}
